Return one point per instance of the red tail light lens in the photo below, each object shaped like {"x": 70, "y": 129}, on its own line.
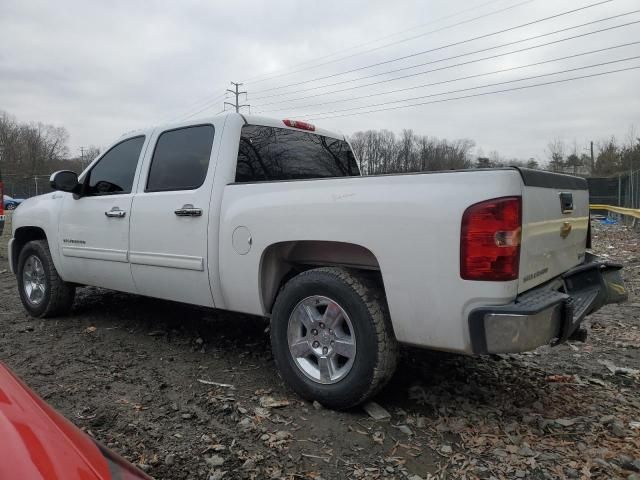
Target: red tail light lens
{"x": 299, "y": 125}
{"x": 490, "y": 240}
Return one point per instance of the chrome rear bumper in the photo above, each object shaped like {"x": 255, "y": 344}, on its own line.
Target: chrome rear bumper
{"x": 547, "y": 314}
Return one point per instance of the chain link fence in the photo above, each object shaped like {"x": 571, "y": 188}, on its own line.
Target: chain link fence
{"x": 622, "y": 190}
{"x": 19, "y": 186}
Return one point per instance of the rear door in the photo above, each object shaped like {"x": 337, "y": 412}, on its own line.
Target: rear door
{"x": 555, "y": 219}
{"x": 170, "y": 217}
{"x": 94, "y": 229}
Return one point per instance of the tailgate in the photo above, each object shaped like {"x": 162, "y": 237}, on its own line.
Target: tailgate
{"x": 555, "y": 219}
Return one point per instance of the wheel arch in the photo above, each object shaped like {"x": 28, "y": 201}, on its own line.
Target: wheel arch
{"x": 283, "y": 260}
{"x": 22, "y": 236}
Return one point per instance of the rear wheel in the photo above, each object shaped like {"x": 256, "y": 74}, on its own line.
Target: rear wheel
{"x": 42, "y": 291}
{"x": 11, "y": 206}
{"x": 332, "y": 338}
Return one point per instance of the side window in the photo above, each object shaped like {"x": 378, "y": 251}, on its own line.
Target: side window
{"x": 268, "y": 153}
{"x": 114, "y": 172}
{"x": 181, "y": 159}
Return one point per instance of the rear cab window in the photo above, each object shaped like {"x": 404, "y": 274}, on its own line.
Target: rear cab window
{"x": 276, "y": 154}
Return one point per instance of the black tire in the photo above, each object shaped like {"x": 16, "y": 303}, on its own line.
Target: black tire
{"x": 58, "y": 295}
{"x": 11, "y": 206}
{"x": 376, "y": 347}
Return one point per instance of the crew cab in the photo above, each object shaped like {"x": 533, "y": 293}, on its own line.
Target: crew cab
{"x": 272, "y": 218}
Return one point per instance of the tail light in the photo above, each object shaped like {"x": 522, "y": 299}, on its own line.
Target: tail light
{"x": 300, "y": 125}
{"x": 490, "y": 240}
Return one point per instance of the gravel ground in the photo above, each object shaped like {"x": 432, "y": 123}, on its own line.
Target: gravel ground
{"x": 133, "y": 373}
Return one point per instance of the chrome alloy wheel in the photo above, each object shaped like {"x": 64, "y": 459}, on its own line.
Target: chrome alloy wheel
{"x": 321, "y": 339}
{"x": 34, "y": 281}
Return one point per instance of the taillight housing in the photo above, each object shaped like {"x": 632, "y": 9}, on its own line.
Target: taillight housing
{"x": 490, "y": 240}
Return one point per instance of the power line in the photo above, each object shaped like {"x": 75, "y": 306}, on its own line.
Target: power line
{"x": 188, "y": 115}
{"x": 524, "y": 87}
{"x": 350, "y": 99}
{"x": 259, "y": 79}
{"x": 207, "y": 100}
{"x": 478, "y": 87}
{"x": 206, "y": 107}
{"x": 431, "y": 62}
{"x": 461, "y": 42}
{"x": 209, "y": 104}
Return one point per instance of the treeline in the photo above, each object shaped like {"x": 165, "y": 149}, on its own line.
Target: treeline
{"x": 610, "y": 156}
{"x": 29, "y": 150}
{"x": 33, "y": 149}
{"x": 381, "y": 151}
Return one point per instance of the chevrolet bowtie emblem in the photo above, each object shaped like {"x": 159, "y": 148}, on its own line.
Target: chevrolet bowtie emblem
{"x": 565, "y": 230}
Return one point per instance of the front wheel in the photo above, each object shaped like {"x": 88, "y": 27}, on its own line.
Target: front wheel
{"x": 332, "y": 338}
{"x": 11, "y": 206}
{"x": 42, "y": 291}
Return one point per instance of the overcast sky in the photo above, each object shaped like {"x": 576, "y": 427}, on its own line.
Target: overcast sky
{"x": 103, "y": 68}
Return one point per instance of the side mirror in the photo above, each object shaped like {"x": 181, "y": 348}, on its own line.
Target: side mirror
{"x": 65, "y": 181}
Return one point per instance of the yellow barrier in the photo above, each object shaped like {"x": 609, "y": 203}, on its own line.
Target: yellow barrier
{"x": 631, "y": 212}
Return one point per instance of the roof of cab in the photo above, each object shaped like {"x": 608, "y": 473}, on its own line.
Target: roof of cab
{"x": 278, "y": 122}
{"x": 249, "y": 119}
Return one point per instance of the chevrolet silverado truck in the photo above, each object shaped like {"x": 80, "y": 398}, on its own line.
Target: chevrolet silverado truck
{"x": 272, "y": 218}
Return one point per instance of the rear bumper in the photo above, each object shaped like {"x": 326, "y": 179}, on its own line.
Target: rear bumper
{"x": 548, "y": 314}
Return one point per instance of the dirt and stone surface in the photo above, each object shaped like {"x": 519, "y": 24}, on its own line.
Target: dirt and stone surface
{"x": 135, "y": 374}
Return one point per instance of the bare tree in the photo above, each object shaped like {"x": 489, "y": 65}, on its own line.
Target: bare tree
{"x": 379, "y": 151}
{"x": 30, "y": 151}
{"x": 556, "y": 150}
{"x": 608, "y": 160}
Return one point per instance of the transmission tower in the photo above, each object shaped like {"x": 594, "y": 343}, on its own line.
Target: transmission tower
{"x": 236, "y": 92}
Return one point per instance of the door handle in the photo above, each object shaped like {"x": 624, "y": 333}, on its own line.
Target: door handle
{"x": 115, "y": 212}
{"x": 188, "y": 210}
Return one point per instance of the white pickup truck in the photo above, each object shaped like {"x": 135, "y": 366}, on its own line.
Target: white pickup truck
{"x": 272, "y": 218}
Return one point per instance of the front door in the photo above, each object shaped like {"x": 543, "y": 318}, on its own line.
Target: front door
{"x": 170, "y": 215}
{"x": 94, "y": 228}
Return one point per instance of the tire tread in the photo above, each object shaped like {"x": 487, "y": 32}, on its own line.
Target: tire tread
{"x": 61, "y": 293}
{"x": 373, "y": 296}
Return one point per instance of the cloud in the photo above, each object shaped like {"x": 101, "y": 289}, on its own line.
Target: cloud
{"x": 101, "y": 69}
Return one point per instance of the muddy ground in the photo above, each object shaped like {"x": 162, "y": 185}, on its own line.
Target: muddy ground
{"x": 128, "y": 370}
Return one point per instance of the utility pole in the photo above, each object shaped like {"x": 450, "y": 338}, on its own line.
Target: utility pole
{"x": 593, "y": 165}
{"x": 82, "y": 156}
{"x": 35, "y": 180}
{"x": 237, "y": 94}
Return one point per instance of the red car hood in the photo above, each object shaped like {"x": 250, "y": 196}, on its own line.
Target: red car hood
{"x": 36, "y": 442}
